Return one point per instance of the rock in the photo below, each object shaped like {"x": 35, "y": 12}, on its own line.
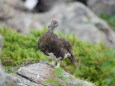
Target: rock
{"x": 5, "y": 79}
{"x": 6, "y": 11}
{"x": 17, "y": 4}
{"x": 102, "y": 6}
{"x": 12, "y": 16}
{"x": 14, "y": 79}
{"x": 42, "y": 71}
{"x": 21, "y": 81}
{"x": 24, "y": 24}
{"x": 36, "y": 75}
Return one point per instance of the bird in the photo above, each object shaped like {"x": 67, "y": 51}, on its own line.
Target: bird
{"x": 55, "y": 47}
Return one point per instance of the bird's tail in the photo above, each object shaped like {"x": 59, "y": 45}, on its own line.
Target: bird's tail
{"x": 73, "y": 60}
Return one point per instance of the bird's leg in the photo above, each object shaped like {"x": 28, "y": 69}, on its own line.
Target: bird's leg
{"x": 58, "y": 63}
{"x": 53, "y": 62}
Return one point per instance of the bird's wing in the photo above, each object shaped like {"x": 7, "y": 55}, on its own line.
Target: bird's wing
{"x": 48, "y": 43}
{"x": 65, "y": 44}
{"x": 42, "y": 44}
{"x": 68, "y": 47}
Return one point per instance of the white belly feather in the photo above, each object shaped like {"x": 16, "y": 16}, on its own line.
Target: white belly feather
{"x": 52, "y": 56}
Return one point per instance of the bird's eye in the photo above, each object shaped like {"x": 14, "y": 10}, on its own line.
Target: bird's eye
{"x": 54, "y": 22}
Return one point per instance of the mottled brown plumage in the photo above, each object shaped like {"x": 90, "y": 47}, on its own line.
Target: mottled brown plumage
{"x": 54, "y": 46}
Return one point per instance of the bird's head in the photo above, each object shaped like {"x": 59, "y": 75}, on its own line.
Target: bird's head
{"x": 53, "y": 24}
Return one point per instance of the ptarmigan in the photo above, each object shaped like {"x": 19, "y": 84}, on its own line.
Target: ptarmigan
{"x": 55, "y": 47}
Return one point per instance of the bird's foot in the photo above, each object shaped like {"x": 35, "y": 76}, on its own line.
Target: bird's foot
{"x": 53, "y": 63}
{"x": 58, "y": 65}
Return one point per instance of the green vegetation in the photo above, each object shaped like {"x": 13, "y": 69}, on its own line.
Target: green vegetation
{"x": 58, "y": 73}
{"x": 97, "y": 62}
{"x": 110, "y": 20}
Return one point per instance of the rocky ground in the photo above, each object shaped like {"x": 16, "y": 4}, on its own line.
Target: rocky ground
{"x": 6, "y": 79}
{"x": 36, "y": 75}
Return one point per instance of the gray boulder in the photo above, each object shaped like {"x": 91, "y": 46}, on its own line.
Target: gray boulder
{"x": 5, "y": 79}
{"x": 14, "y": 79}
{"x": 102, "y": 6}
{"x": 6, "y": 11}
{"x": 43, "y": 71}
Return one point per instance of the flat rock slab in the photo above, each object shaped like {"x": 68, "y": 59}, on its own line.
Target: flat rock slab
{"x": 43, "y": 71}
{"x": 21, "y": 81}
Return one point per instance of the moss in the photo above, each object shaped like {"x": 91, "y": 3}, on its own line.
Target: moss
{"x": 97, "y": 62}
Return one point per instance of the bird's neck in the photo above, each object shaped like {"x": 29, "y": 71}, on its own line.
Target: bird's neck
{"x": 50, "y": 29}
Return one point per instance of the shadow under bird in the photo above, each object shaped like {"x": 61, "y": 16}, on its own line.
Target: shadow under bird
{"x": 55, "y": 47}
